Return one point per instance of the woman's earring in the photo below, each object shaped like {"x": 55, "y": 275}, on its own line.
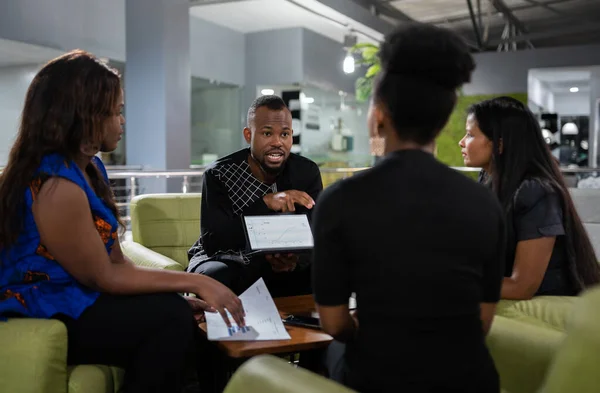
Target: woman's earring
{"x": 377, "y": 146}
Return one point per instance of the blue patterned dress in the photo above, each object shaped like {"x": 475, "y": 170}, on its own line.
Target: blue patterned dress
{"x": 32, "y": 283}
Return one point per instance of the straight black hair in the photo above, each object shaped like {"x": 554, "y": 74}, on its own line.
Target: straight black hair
{"x": 520, "y": 152}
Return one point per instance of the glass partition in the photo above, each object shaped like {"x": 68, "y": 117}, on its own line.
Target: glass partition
{"x": 216, "y": 120}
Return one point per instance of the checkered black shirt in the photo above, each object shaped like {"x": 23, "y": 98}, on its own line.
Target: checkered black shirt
{"x": 230, "y": 191}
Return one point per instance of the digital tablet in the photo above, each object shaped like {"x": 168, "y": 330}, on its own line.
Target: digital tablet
{"x": 281, "y": 233}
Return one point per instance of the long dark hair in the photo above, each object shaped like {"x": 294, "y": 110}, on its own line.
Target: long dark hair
{"x": 520, "y": 152}
{"x": 67, "y": 105}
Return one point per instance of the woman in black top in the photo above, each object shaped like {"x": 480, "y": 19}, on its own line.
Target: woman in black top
{"x": 548, "y": 250}
{"x": 420, "y": 244}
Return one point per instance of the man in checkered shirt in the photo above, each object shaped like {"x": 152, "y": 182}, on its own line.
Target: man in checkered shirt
{"x": 264, "y": 179}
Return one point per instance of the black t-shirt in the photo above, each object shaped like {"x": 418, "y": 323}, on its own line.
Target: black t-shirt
{"x": 422, "y": 246}
{"x": 536, "y": 212}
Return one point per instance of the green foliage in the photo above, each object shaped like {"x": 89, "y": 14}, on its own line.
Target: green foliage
{"x": 368, "y": 56}
{"x": 448, "y": 151}
{"x": 447, "y": 143}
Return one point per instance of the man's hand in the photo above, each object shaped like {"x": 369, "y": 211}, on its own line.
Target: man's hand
{"x": 198, "y": 307}
{"x": 282, "y": 263}
{"x": 285, "y": 201}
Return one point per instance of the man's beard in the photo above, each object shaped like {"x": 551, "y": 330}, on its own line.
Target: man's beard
{"x": 270, "y": 170}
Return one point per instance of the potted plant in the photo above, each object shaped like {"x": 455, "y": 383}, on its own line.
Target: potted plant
{"x": 368, "y": 56}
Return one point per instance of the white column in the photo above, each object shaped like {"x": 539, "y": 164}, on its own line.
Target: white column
{"x": 594, "y": 133}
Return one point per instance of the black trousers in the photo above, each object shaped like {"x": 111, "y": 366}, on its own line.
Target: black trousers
{"x": 153, "y": 337}
{"x": 239, "y": 277}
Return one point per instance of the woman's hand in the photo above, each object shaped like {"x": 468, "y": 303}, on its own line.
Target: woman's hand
{"x": 221, "y": 298}
{"x": 199, "y": 307}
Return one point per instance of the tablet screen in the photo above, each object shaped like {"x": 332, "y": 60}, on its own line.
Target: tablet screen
{"x": 286, "y": 232}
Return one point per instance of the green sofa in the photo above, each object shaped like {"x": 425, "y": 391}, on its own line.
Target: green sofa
{"x": 34, "y": 360}
{"x": 34, "y": 351}
{"x": 163, "y": 227}
{"x": 550, "y": 354}
{"x": 551, "y": 312}
{"x": 524, "y": 338}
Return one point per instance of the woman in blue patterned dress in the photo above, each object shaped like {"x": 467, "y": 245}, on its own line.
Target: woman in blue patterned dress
{"x": 59, "y": 251}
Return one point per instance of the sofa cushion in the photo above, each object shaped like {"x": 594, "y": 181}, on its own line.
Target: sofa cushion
{"x": 92, "y": 378}
{"x": 546, "y": 311}
{"x": 522, "y": 353}
{"x": 33, "y": 356}
{"x": 574, "y": 367}
{"x": 268, "y": 374}
{"x": 146, "y": 257}
{"x": 166, "y": 223}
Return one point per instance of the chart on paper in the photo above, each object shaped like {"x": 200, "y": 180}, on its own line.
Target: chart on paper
{"x": 288, "y": 231}
{"x": 262, "y": 319}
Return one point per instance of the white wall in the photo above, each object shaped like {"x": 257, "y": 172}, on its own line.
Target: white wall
{"x": 96, "y": 26}
{"x": 322, "y": 61}
{"x": 99, "y": 27}
{"x": 507, "y": 72}
{"x": 216, "y": 52}
{"x": 539, "y": 94}
{"x": 572, "y": 104}
{"x": 14, "y": 82}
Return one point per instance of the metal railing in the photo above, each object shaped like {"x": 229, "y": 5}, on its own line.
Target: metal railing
{"x": 126, "y": 183}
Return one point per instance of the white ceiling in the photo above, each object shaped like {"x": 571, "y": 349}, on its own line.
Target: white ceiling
{"x": 259, "y": 15}
{"x": 560, "y": 80}
{"x": 13, "y": 53}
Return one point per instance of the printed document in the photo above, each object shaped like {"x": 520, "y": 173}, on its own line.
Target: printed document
{"x": 263, "y": 321}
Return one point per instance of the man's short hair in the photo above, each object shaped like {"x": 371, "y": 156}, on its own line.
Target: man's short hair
{"x": 270, "y": 101}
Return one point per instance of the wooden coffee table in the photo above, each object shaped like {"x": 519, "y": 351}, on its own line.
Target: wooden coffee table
{"x": 308, "y": 343}
{"x": 302, "y": 339}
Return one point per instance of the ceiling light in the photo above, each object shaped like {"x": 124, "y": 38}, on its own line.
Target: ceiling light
{"x": 570, "y": 128}
{"x": 267, "y": 92}
{"x": 574, "y": 89}
{"x": 309, "y": 100}
{"x": 349, "y": 64}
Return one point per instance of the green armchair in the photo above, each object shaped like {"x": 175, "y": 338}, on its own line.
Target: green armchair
{"x": 524, "y": 338}
{"x": 268, "y": 374}
{"x": 548, "y": 345}
{"x": 163, "y": 228}
{"x": 34, "y": 351}
{"x": 34, "y": 360}
{"x": 574, "y": 367}
{"x": 551, "y": 312}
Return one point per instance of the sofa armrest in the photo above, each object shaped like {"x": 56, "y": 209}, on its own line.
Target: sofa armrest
{"x": 145, "y": 257}
{"x": 575, "y": 365}
{"x": 546, "y": 311}
{"x": 522, "y": 353}
{"x": 34, "y": 356}
{"x": 268, "y": 374}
